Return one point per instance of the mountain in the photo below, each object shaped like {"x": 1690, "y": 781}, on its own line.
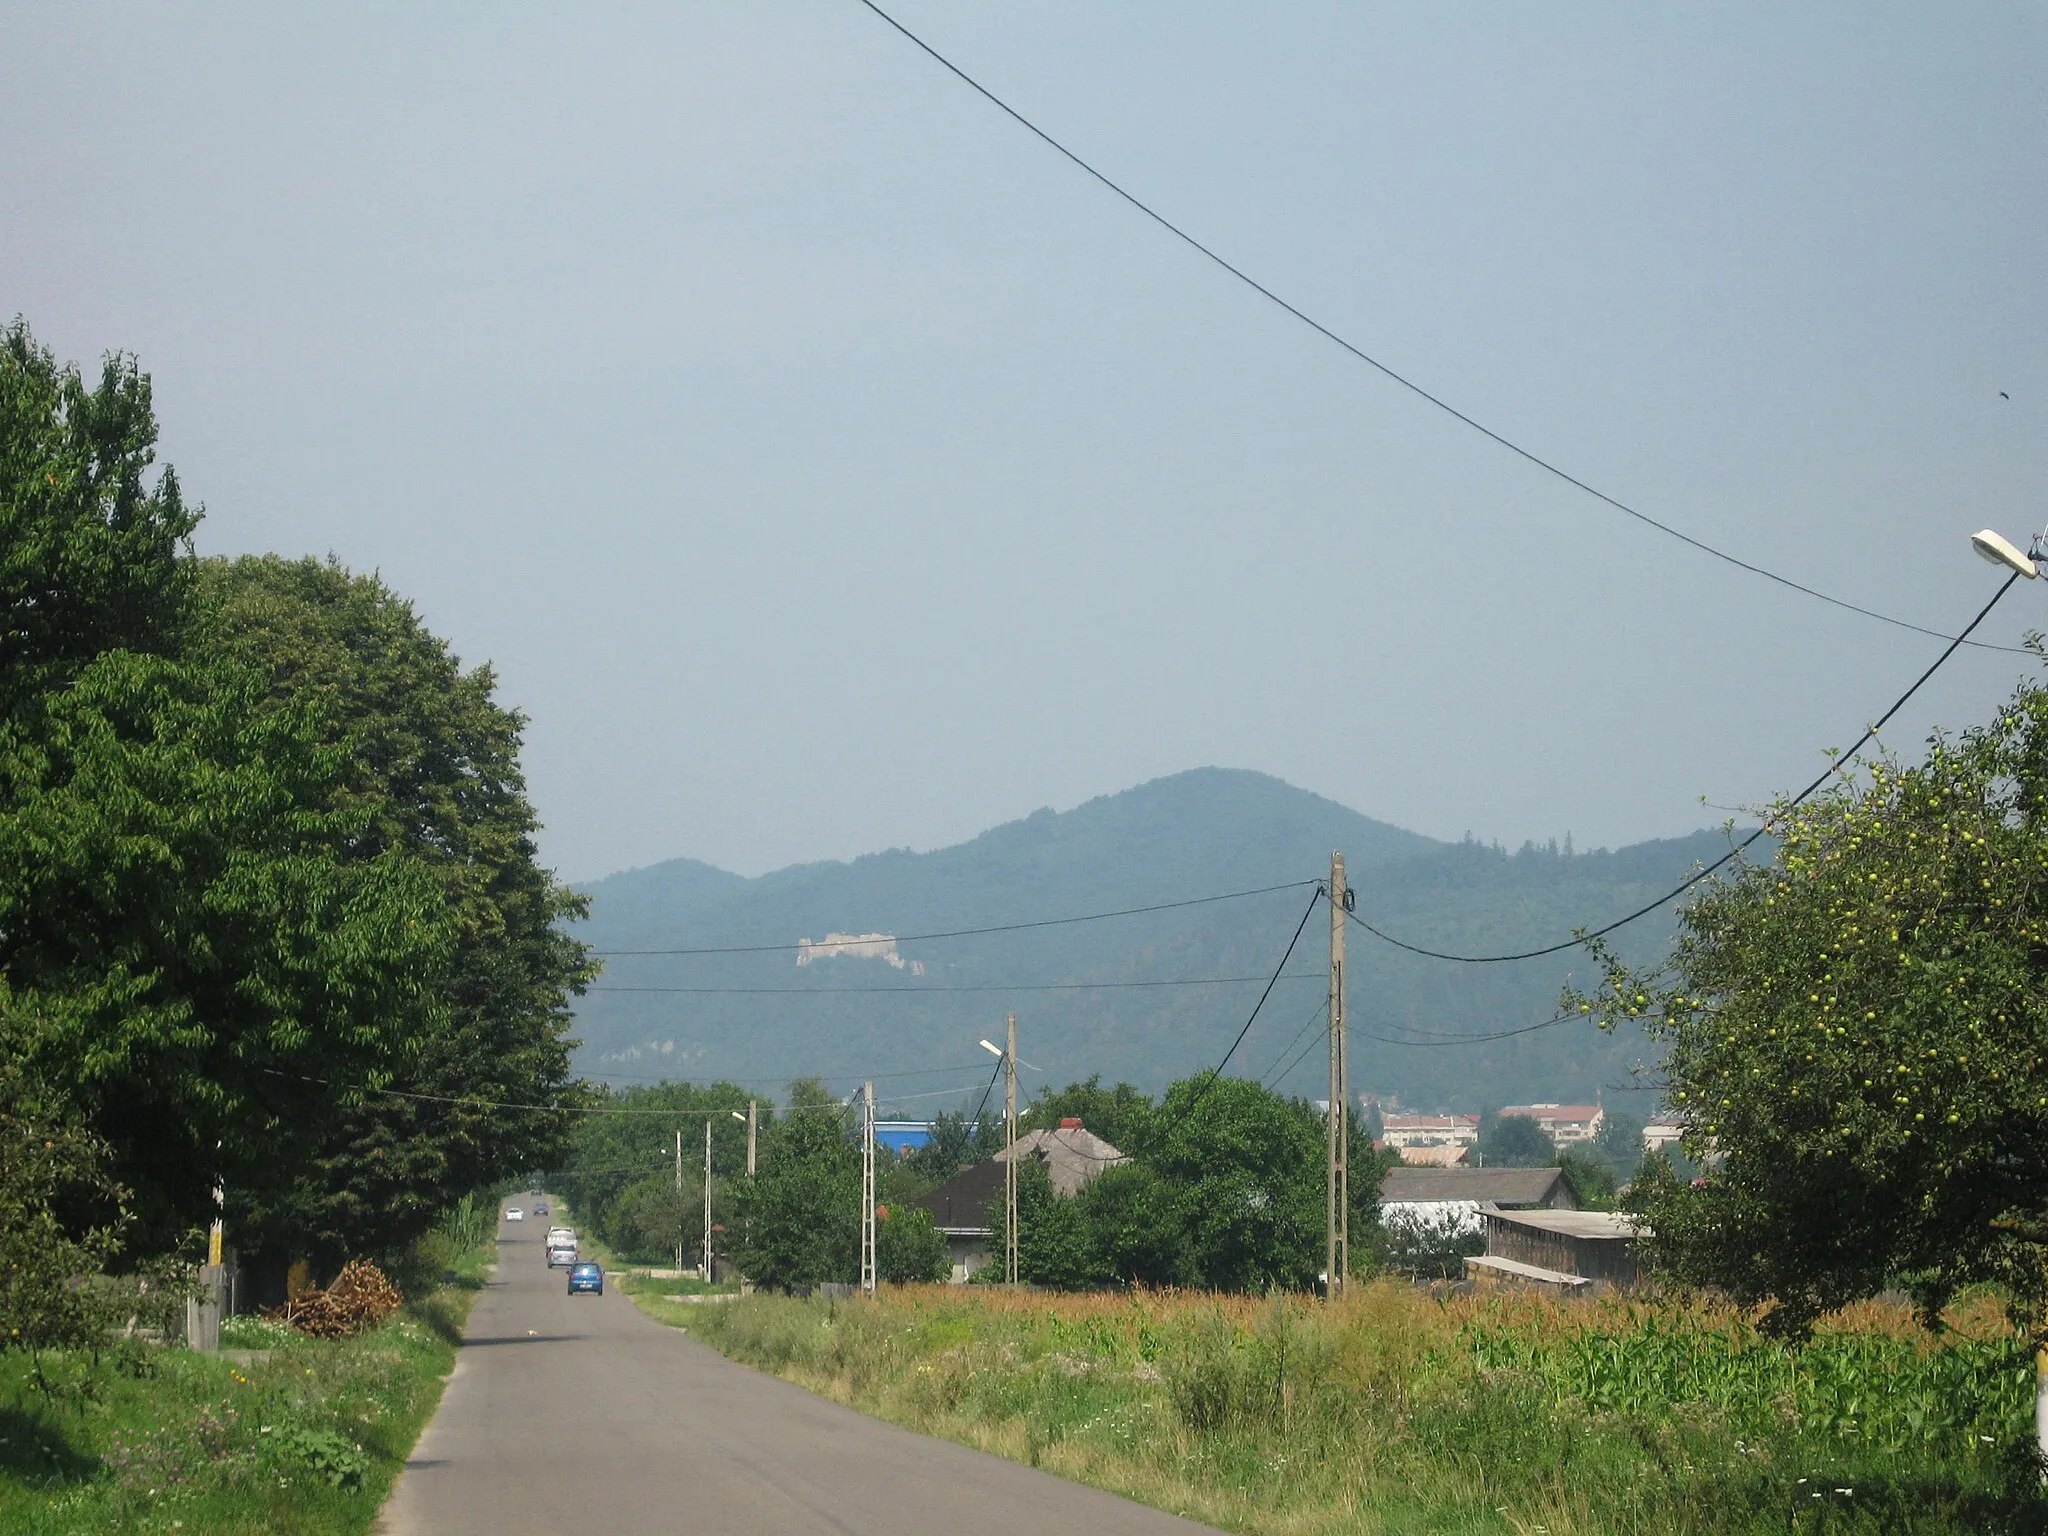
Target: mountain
{"x": 1087, "y": 994}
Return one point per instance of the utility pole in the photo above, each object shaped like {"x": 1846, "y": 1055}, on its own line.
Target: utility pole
{"x": 707, "y": 1199}
{"x": 679, "y": 1200}
{"x": 1337, "y": 1192}
{"x": 1010, "y": 1161}
{"x": 867, "y": 1189}
{"x": 751, "y": 1120}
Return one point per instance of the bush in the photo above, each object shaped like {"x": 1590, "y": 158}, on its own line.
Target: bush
{"x": 909, "y": 1247}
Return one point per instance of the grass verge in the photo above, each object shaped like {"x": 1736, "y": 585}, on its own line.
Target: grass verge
{"x": 279, "y": 1434}
{"x": 1400, "y": 1413}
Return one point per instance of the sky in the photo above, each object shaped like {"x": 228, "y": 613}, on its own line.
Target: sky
{"x": 824, "y": 464}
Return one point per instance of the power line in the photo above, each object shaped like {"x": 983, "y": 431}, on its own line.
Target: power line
{"x": 963, "y": 933}
{"x": 1203, "y": 1092}
{"x": 975, "y": 1121}
{"x": 1025, "y": 986}
{"x": 1832, "y": 769}
{"x": 1321, "y": 1009}
{"x": 769, "y": 1077}
{"x": 557, "y": 1109}
{"x": 1274, "y": 1080}
{"x": 1450, "y": 1039}
{"x": 1384, "y": 369}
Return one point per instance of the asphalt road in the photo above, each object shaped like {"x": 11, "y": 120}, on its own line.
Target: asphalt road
{"x": 570, "y": 1414}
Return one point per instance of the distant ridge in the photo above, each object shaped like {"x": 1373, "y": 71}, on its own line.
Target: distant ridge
{"x": 1189, "y": 834}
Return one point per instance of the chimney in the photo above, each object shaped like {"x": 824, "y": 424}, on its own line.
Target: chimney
{"x": 1070, "y": 1123}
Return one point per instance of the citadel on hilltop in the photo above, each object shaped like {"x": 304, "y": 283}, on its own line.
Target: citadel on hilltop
{"x": 856, "y": 946}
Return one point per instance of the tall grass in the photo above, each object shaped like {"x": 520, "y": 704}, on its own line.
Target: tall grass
{"x": 1396, "y": 1411}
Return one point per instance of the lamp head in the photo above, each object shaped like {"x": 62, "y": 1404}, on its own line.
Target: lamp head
{"x": 991, "y": 1048}
{"x": 2000, "y": 550}
{"x": 737, "y": 1116}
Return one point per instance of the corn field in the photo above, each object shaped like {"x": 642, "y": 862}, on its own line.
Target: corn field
{"x": 1398, "y": 1411}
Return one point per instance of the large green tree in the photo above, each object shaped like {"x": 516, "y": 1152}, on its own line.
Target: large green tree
{"x": 798, "y": 1219}
{"x": 1857, "y": 1037}
{"x": 433, "y": 779}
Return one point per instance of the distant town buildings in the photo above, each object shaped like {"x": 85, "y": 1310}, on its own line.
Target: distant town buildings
{"x": 1430, "y": 1140}
{"x": 1661, "y": 1133}
{"x": 1569, "y": 1125}
{"x": 856, "y": 946}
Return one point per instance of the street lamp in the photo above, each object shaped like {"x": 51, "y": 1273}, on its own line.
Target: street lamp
{"x": 1999, "y": 550}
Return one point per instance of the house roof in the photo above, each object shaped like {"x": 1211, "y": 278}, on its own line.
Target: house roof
{"x": 1553, "y": 1111}
{"x": 963, "y": 1202}
{"x": 1607, "y": 1224}
{"x": 1501, "y": 1186}
{"x": 1072, "y": 1155}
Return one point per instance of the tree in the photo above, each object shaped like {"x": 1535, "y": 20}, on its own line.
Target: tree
{"x": 620, "y": 1172}
{"x": 799, "y": 1217}
{"x": 1134, "y": 1231}
{"x": 194, "y": 943}
{"x": 88, "y": 548}
{"x": 62, "y": 1216}
{"x": 1247, "y": 1170}
{"x": 955, "y": 1144}
{"x": 909, "y": 1247}
{"x": 195, "y": 947}
{"x": 1513, "y": 1141}
{"x": 435, "y": 775}
{"x": 1857, "y": 1040}
{"x": 1619, "y": 1144}
{"x": 1121, "y": 1116}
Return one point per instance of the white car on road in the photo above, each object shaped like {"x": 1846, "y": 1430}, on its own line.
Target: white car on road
{"x": 513, "y": 1213}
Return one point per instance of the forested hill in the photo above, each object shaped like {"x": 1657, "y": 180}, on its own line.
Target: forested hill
{"x": 761, "y": 1017}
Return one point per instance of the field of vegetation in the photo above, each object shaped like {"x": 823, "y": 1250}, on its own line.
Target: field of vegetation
{"x": 279, "y": 1435}
{"x": 1399, "y": 1411}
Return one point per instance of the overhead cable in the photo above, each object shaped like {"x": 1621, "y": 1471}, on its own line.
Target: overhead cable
{"x": 1385, "y": 369}
{"x": 1687, "y": 884}
{"x": 965, "y": 933}
{"x": 1023, "y": 986}
{"x": 1203, "y": 1092}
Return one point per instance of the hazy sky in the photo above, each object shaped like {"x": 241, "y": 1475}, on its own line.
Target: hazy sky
{"x": 826, "y": 465}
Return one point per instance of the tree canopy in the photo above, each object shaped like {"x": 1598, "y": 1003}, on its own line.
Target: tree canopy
{"x": 1857, "y": 1039}
{"x": 270, "y": 912}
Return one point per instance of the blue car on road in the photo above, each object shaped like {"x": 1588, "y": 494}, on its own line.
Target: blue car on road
{"x": 586, "y": 1277}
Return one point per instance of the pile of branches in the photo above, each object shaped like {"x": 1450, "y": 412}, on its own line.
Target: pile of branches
{"x": 360, "y": 1298}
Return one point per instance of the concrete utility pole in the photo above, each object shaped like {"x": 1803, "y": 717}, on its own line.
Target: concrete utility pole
{"x": 867, "y": 1189}
{"x": 751, "y": 1121}
{"x": 1337, "y": 1193}
{"x": 1010, "y": 1162}
{"x": 679, "y": 1200}
{"x": 707, "y": 1199}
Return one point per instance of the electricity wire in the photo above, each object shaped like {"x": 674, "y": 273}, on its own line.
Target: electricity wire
{"x": 1287, "y": 1071}
{"x": 1267, "y": 1077}
{"x": 964, "y": 933}
{"x": 1841, "y": 762}
{"x": 1384, "y": 369}
{"x": 1451, "y": 1039}
{"x": 1025, "y": 986}
{"x": 1203, "y": 1092}
{"x": 557, "y": 1109}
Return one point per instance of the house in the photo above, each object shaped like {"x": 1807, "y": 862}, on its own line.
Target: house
{"x": 1661, "y": 1133}
{"x": 1569, "y": 1125}
{"x": 1439, "y": 1140}
{"x": 1453, "y": 1200}
{"x": 901, "y": 1136}
{"x": 1571, "y": 1251}
{"x": 963, "y": 1208}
